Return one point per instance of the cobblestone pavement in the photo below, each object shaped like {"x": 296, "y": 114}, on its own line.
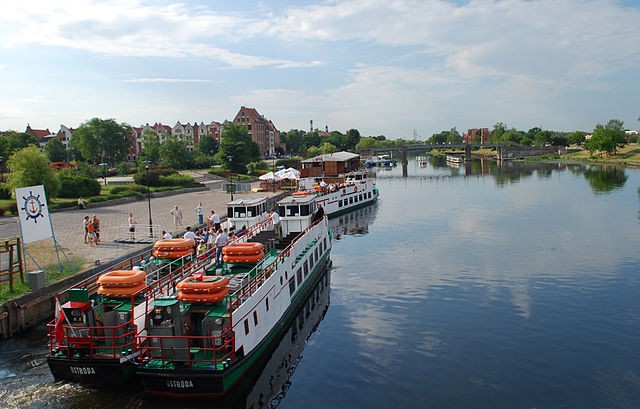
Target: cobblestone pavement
{"x": 69, "y": 231}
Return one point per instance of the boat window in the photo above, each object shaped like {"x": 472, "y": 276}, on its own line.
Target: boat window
{"x": 306, "y": 267}
{"x": 267, "y": 303}
{"x": 230, "y": 211}
{"x": 251, "y": 211}
{"x": 240, "y": 212}
{"x": 304, "y": 210}
{"x": 369, "y": 194}
{"x": 316, "y": 253}
{"x": 293, "y": 210}
{"x": 361, "y": 197}
{"x": 255, "y": 318}
{"x": 339, "y": 203}
{"x": 246, "y": 327}
{"x": 292, "y": 286}
{"x": 281, "y": 211}
{"x": 351, "y": 200}
{"x": 299, "y": 274}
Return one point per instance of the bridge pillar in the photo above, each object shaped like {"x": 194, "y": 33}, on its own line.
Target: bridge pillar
{"x": 405, "y": 162}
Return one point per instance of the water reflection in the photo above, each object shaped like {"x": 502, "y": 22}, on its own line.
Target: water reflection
{"x": 604, "y": 179}
{"x": 355, "y": 222}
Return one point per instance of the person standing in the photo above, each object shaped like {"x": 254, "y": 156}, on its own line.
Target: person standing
{"x": 214, "y": 221}
{"x": 96, "y": 228}
{"x": 221, "y": 240}
{"x": 132, "y": 227}
{"x": 275, "y": 217}
{"x": 91, "y": 233}
{"x": 177, "y": 216}
{"x": 81, "y": 203}
{"x": 199, "y": 213}
{"x": 85, "y": 224}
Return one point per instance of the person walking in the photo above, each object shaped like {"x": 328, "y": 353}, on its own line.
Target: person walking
{"x": 199, "y": 213}
{"x": 177, "y": 216}
{"x": 132, "y": 227}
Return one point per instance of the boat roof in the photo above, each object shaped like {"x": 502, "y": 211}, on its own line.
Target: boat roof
{"x": 297, "y": 200}
{"x": 250, "y": 201}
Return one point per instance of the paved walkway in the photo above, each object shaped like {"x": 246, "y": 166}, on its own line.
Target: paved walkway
{"x": 69, "y": 232}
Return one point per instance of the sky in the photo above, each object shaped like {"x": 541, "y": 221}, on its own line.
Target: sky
{"x": 399, "y": 68}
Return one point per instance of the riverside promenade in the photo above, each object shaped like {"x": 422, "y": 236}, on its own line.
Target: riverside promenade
{"x": 32, "y": 308}
{"x": 114, "y": 233}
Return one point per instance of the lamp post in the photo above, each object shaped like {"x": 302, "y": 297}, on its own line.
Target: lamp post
{"x": 230, "y": 176}
{"x": 146, "y": 167}
{"x": 273, "y": 169}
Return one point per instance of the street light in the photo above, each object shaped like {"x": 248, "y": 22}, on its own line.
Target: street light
{"x": 273, "y": 169}
{"x": 146, "y": 167}
{"x": 230, "y": 176}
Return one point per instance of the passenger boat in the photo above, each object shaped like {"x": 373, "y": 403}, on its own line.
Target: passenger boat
{"x": 95, "y": 337}
{"x": 203, "y": 347}
{"x": 341, "y": 194}
{"x": 248, "y": 211}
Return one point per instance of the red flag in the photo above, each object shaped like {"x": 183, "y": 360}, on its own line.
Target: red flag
{"x": 59, "y": 329}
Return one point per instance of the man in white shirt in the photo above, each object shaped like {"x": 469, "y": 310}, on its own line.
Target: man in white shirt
{"x": 221, "y": 240}
{"x": 275, "y": 217}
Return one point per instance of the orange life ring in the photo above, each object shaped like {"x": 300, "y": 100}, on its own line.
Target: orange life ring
{"x": 174, "y": 244}
{"x": 207, "y": 285}
{"x": 236, "y": 249}
{"x": 122, "y": 278}
{"x": 243, "y": 258}
{"x": 317, "y": 188}
{"x": 203, "y": 297}
{"x": 121, "y": 291}
{"x": 302, "y": 193}
{"x": 162, "y": 253}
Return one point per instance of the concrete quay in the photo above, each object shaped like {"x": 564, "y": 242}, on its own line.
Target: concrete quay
{"x": 115, "y": 246}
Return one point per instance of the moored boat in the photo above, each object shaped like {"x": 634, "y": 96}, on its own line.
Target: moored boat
{"x": 95, "y": 337}
{"x": 456, "y": 159}
{"x": 341, "y": 194}
{"x": 202, "y": 349}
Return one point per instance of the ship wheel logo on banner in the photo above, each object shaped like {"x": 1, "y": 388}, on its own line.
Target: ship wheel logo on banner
{"x": 32, "y": 207}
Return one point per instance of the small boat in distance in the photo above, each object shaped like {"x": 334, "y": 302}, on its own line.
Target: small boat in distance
{"x": 381, "y": 161}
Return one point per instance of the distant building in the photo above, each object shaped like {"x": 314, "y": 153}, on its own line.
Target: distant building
{"x": 483, "y": 133}
{"x": 262, "y": 131}
{"x": 330, "y": 165}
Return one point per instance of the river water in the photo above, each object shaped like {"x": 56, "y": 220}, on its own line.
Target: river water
{"x": 513, "y": 286}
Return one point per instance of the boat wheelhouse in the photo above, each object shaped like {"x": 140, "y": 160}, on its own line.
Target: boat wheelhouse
{"x": 203, "y": 345}
{"x": 247, "y": 211}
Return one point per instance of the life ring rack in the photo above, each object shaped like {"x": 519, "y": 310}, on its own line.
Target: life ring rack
{"x": 248, "y": 248}
{"x": 244, "y": 258}
{"x": 204, "y": 298}
{"x": 208, "y": 285}
{"x": 122, "y": 278}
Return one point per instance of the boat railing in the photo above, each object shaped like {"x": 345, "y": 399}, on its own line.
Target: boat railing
{"x": 106, "y": 341}
{"x": 262, "y": 273}
{"x": 164, "y": 284}
{"x": 213, "y": 352}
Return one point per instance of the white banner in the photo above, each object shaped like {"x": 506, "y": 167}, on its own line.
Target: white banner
{"x": 33, "y": 214}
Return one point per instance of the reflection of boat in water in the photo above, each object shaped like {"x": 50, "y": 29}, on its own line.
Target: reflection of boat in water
{"x": 202, "y": 345}
{"x": 266, "y": 388}
{"x": 354, "y": 222}
{"x": 380, "y": 160}
{"x": 455, "y": 159}
{"x": 422, "y": 160}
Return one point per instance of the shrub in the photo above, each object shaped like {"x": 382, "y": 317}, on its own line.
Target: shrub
{"x": 13, "y": 208}
{"x": 129, "y": 188}
{"x": 5, "y": 191}
{"x": 176, "y": 180}
{"x": 78, "y": 185}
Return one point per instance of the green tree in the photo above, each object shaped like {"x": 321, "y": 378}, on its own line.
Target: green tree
{"x": 294, "y": 139}
{"x": 29, "y": 167}
{"x": 18, "y": 140}
{"x": 102, "y": 140}
{"x": 150, "y": 152}
{"x": 208, "y": 145}
{"x": 576, "y": 138}
{"x": 313, "y": 151}
{"x": 607, "y": 138}
{"x": 326, "y": 148}
{"x": 351, "y": 139}
{"x": 237, "y": 148}
{"x": 55, "y": 150}
{"x": 439, "y": 138}
{"x": 174, "y": 154}
{"x": 454, "y": 137}
{"x": 498, "y": 130}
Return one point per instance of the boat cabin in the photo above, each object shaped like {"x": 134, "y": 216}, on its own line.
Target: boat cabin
{"x": 296, "y": 213}
{"x": 247, "y": 211}
{"x": 330, "y": 165}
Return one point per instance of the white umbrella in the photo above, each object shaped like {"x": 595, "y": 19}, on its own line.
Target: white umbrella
{"x": 290, "y": 173}
{"x": 270, "y": 176}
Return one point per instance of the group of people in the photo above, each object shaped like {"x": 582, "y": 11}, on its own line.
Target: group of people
{"x": 208, "y": 238}
{"x": 177, "y": 214}
{"x": 91, "y": 230}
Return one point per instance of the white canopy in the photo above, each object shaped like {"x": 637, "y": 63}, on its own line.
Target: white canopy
{"x": 270, "y": 176}
{"x": 289, "y": 173}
